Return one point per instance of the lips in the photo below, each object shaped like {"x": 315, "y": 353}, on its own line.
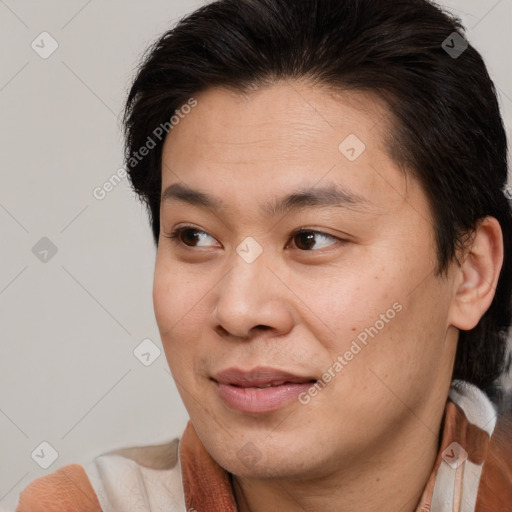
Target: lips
{"x": 260, "y": 389}
{"x": 259, "y": 377}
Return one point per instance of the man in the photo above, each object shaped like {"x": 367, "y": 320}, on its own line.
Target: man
{"x": 326, "y": 182}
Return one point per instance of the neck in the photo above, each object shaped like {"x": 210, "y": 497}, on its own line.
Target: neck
{"x": 366, "y": 484}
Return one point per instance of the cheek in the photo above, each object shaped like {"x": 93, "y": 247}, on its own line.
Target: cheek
{"x": 181, "y": 312}
{"x": 170, "y": 299}
{"x": 174, "y": 294}
{"x": 391, "y": 306}
{"x": 394, "y": 346}
{"x": 346, "y": 303}
{"x": 163, "y": 297}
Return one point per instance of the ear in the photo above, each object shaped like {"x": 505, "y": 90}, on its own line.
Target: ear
{"x": 477, "y": 278}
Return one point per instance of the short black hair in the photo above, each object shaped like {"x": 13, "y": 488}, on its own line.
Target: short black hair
{"x": 447, "y": 129}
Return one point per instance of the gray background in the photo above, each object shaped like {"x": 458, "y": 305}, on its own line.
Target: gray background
{"x": 70, "y": 324}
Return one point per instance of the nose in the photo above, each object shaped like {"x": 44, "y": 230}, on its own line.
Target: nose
{"x": 251, "y": 298}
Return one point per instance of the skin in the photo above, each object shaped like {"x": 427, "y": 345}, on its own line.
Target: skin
{"x": 375, "y": 427}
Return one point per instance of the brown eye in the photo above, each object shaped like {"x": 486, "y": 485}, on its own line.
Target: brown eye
{"x": 187, "y": 236}
{"x": 306, "y": 239}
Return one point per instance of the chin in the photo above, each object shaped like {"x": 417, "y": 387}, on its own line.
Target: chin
{"x": 271, "y": 466}
{"x": 255, "y": 459}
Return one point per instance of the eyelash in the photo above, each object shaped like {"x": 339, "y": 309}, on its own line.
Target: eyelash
{"x": 174, "y": 236}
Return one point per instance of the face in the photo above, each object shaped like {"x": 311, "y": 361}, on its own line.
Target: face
{"x": 298, "y": 352}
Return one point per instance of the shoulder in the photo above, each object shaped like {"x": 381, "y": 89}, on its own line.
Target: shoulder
{"x": 140, "y": 478}
{"x": 495, "y": 491}
{"x": 500, "y": 448}
{"x": 68, "y": 489}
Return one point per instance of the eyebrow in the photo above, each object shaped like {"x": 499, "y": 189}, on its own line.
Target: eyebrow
{"x": 330, "y": 195}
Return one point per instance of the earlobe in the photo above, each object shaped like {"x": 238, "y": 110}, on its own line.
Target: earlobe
{"x": 477, "y": 278}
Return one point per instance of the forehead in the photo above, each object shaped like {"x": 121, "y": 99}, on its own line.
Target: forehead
{"x": 286, "y": 114}
{"x": 283, "y": 138}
